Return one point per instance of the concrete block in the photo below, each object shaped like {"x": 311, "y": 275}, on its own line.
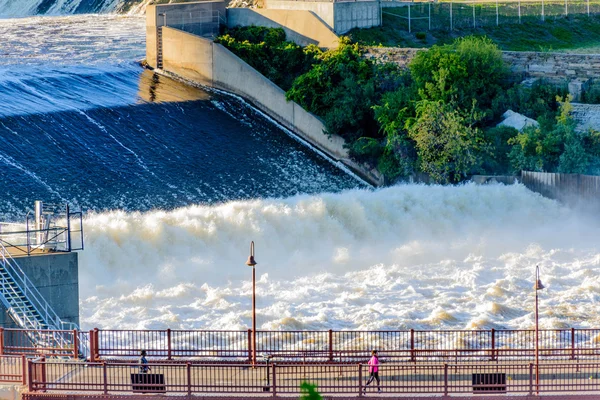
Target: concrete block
{"x": 577, "y": 87}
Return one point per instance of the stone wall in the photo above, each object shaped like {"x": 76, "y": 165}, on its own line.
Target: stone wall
{"x": 552, "y": 66}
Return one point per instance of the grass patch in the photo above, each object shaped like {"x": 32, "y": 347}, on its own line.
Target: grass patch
{"x": 570, "y": 33}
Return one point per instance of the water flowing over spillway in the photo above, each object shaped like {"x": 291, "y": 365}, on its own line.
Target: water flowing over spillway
{"x": 23, "y": 8}
{"x": 176, "y": 181}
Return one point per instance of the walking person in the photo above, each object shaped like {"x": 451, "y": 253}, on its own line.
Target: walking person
{"x": 373, "y": 371}
{"x": 144, "y": 367}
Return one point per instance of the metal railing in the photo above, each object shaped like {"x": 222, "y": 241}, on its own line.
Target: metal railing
{"x": 62, "y": 231}
{"x": 285, "y": 379}
{"x": 20, "y": 285}
{"x": 13, "y": 369}
{"x": 456, "y": 346}
{"x": 351, "y": 346}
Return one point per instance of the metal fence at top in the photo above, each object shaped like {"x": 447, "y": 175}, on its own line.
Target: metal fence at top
{"x": 349, "y": 346}
{"x": 455, "y": 15}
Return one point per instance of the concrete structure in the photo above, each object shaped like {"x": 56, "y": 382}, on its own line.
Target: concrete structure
{"x": 56, "y": 276}
{"x": 341, "y": 16}
{"x": 201, "y": 18}
{"x": 518, "y": 121}
{"x": 301, "y": 27}
{"x": 201, "y": 60}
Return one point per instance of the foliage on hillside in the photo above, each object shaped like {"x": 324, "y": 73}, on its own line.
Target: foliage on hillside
{"x": 438, "y": 117}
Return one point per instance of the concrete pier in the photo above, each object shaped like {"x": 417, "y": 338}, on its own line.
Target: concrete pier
{"x": 56, "y": 276}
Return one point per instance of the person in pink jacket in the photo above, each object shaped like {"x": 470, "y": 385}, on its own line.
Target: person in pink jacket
{"x": 373, "y": 371}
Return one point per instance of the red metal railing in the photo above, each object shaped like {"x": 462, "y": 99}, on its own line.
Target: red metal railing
{"x": 13, "y": 369}
{"x": 351, "y": 346}
{"x": 450, "y": 346}
{"x": 33, "y": 343}
{"x": 285, "y": 379}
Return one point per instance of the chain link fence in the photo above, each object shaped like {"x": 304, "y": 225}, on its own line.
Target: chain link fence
{"x": 451, "y": 15}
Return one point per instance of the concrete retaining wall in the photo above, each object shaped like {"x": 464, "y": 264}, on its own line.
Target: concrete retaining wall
{"x": 181, "y": 15}
{"x": 301, "y": 27}
{"x": 340, "y": 16}
{"x": 56, "y": 276}
{"x": 201, "y": 60}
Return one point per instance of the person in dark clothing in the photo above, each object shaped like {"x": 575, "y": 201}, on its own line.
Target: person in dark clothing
{"x": 144, "y": 368}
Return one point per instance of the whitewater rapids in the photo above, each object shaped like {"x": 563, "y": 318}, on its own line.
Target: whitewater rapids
{"x": 409, "y": 256}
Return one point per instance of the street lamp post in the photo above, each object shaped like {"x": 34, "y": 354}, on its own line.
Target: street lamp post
{"x": 251, "y": 263}
{"x": 538, "y": 286}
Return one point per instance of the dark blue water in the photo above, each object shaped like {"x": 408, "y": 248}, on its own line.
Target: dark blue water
{"x": 159, "y": 144}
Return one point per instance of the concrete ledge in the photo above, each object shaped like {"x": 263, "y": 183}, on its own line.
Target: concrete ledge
{"x": 301, "y": 27}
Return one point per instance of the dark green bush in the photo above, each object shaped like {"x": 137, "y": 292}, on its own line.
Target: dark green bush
{"x": 421, "y": 35}
{"x": 469, "y": 70}
{"x": 592, "y": 94}
{"x": 267, "y": 51}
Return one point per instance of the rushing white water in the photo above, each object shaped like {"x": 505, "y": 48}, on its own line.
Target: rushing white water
{"x": 404, "y": 257}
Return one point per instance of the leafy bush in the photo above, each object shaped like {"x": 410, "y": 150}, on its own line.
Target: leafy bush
{"x": 267, "y": 51}
{"x": 421, "y": 35}
{"x": 342, "y": 87}
{"x": 469, "y": 69}
{"x": 538, "y": 101}
{"x": 448, "y": 145}
{"x": 592, "y": 94}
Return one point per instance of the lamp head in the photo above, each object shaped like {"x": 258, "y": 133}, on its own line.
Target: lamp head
{"x": 251, "y": 262}
{"x": 538, "y": 282}
{"x": 539, "y": 285}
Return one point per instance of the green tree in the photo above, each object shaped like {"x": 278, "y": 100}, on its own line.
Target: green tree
{"x": 471, "y": 68}
{"x": 449, "y": 147}
{"x": 309, "y": 392}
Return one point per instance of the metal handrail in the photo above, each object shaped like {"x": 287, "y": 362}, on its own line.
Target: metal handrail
{"x": 31, "y": 293}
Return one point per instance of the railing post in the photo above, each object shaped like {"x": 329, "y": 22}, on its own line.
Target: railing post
{"x": 530, "y": 379}
{"x": 24, "y": 369}
{"x": 189, "y": 378}
{"x": 1, "y": 341}
{"x": 412, "y": 345}
{"x": 43, "y": 370}
{"x": 360, "y": 392}
{"x": 92, "y": 346}
{"x": 75, "y": 344}
{"x": 445, "y": 379}
{"x": 97, "y": 345}
{"x": 249, "y": 345}
{"x": 493, "y": 344}
{"x": 169, "y": 344}
{"x": 104, "y": 377}
{"x": 572, "y": 343}
{"x": 330, "y": 345}
{"x": 274, "y": 381}
{"x": 30, "y": 375}
{"x": 68, "y": 229}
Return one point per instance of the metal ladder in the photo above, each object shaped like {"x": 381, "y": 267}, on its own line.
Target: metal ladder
{"x": 29, "y": 309}
{"x": 159, "y": 48}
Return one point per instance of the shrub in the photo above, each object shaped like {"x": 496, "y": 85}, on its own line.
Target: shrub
{"x": 421, "y": 35}
{"x": 592, "y": 94}
{"x": 470, "y": 68}
{"x": 448, "y": 145}
{"x": 266, "y": 50}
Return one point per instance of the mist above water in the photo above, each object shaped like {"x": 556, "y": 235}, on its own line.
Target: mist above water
{"x": 398, "y": 258}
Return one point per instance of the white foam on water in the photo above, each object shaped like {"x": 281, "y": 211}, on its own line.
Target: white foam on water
{"x": 409, "y": 256}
